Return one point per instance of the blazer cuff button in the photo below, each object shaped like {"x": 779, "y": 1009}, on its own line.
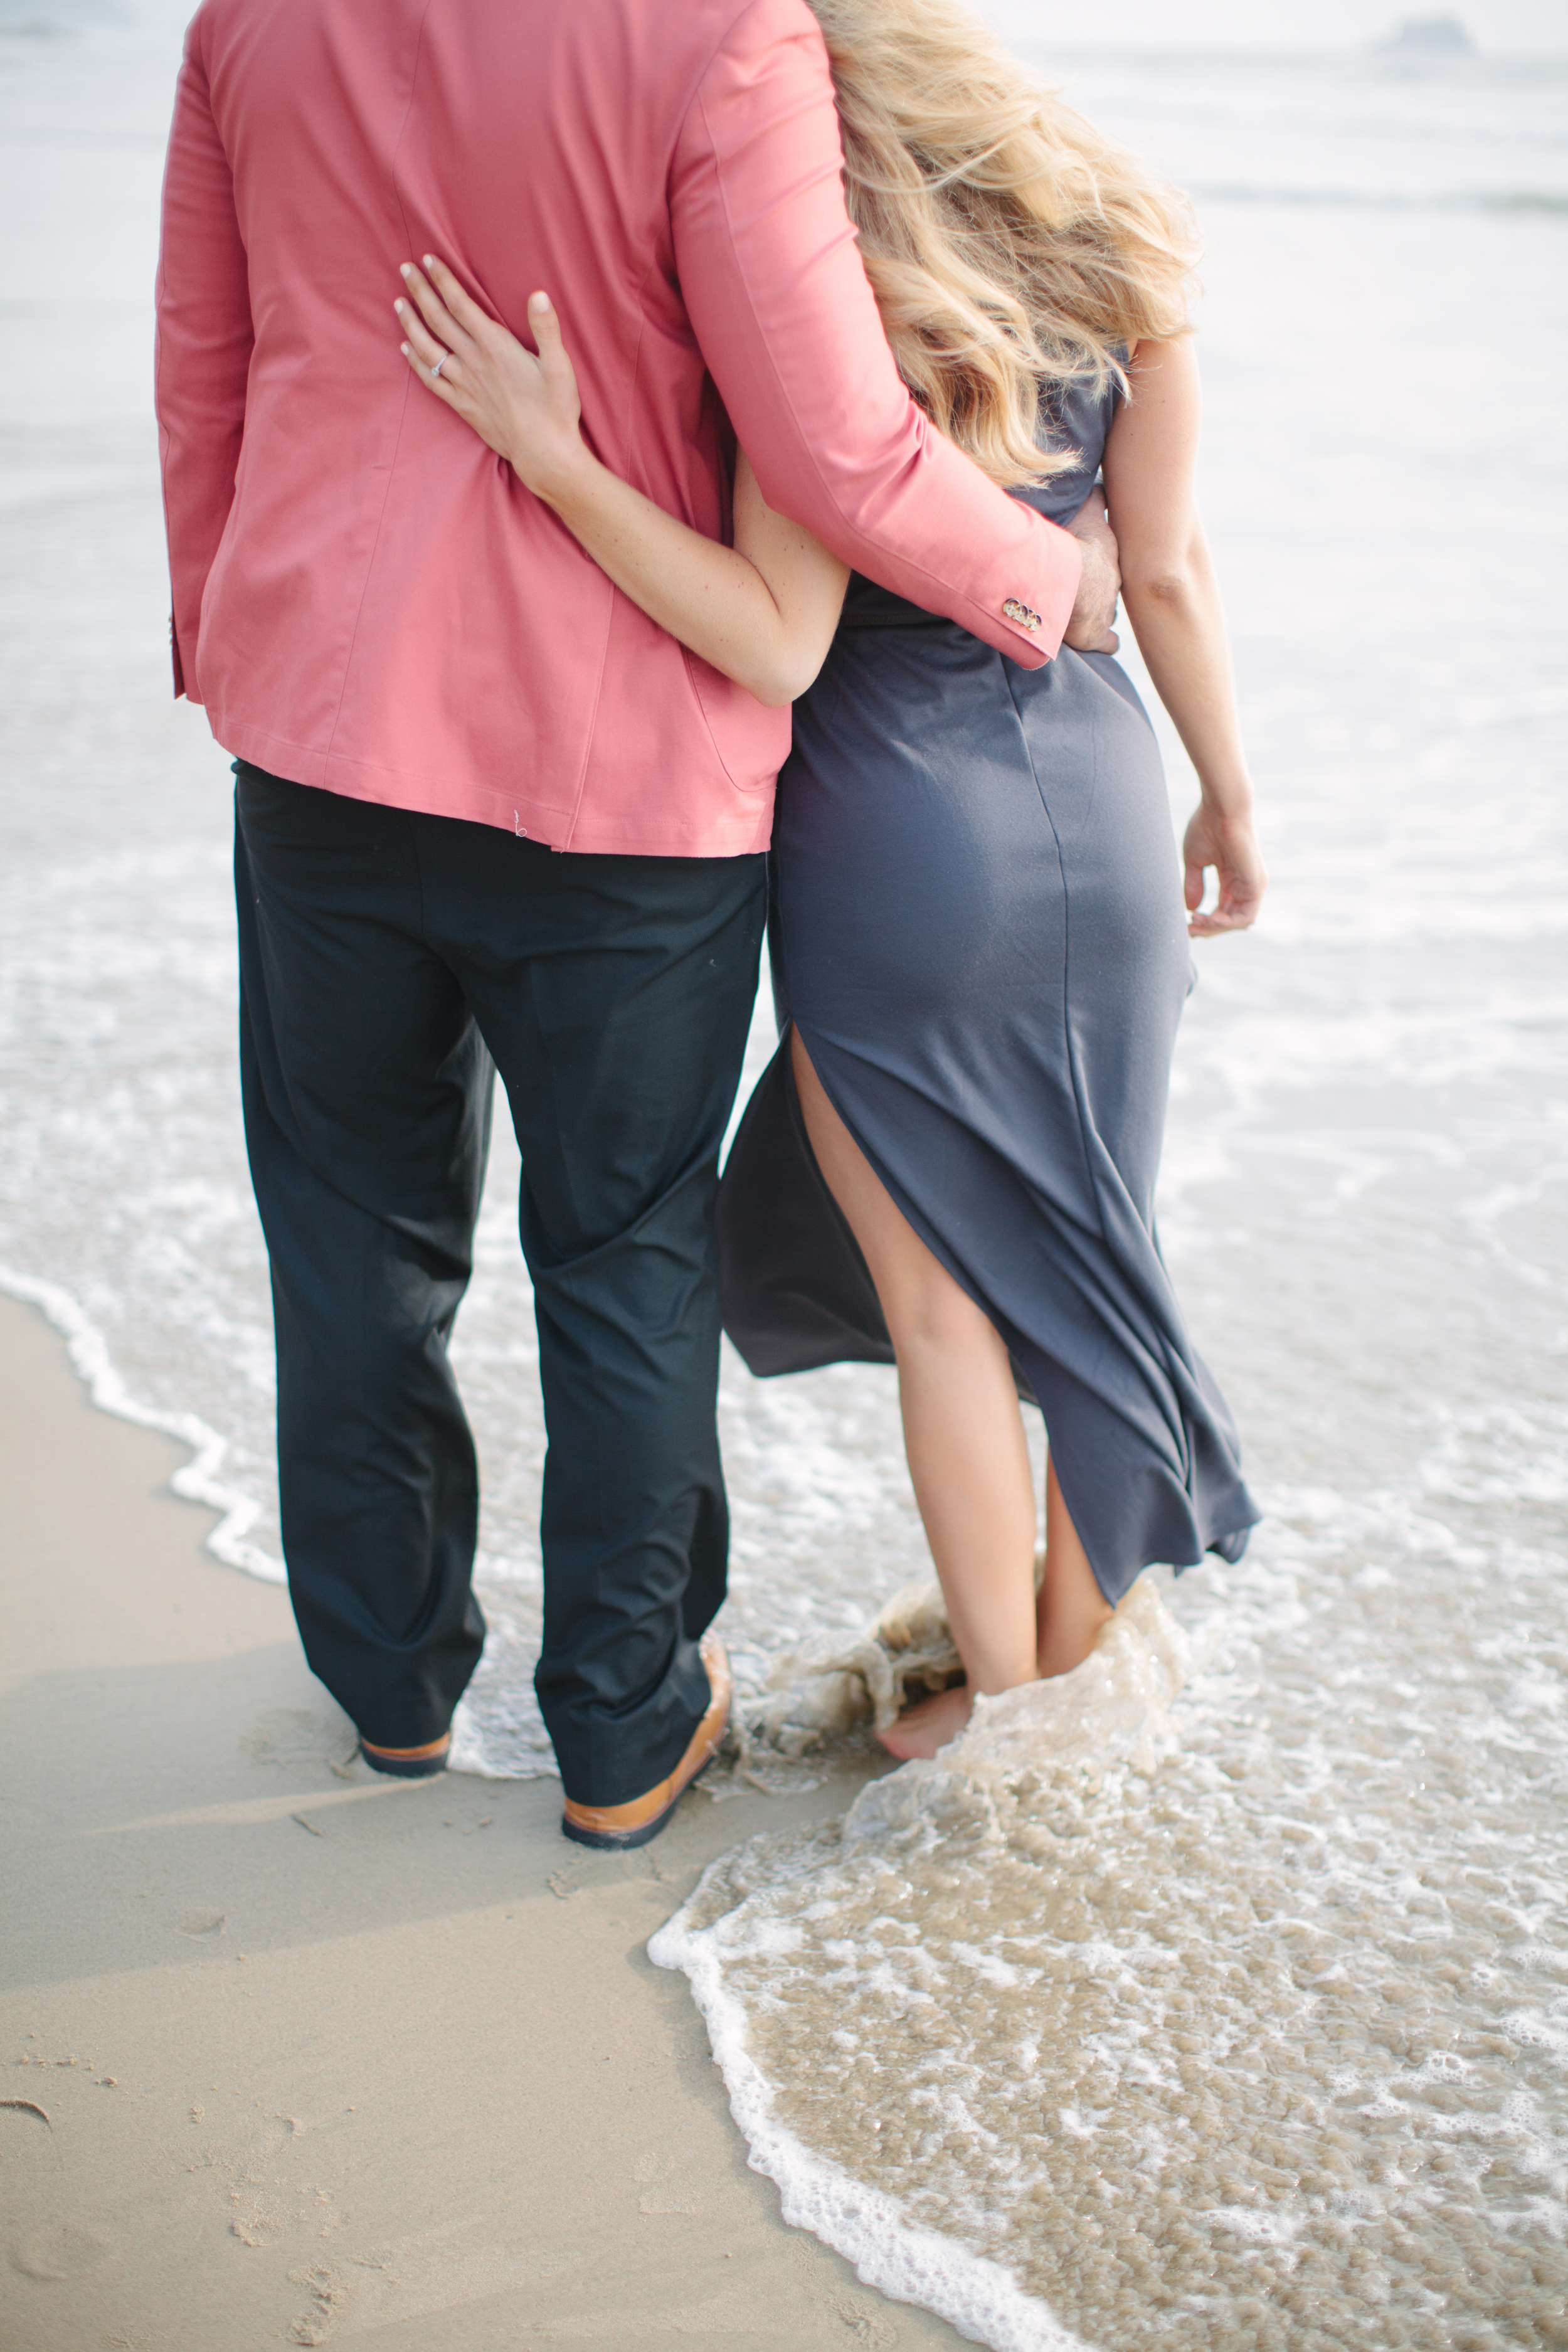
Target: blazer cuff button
{"x": 1020, "y": 615}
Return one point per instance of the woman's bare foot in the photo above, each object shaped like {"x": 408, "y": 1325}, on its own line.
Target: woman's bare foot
{"x": 921, "y": 1730}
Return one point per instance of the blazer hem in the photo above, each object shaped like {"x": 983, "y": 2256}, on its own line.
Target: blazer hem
{"x": 728, "y": 832}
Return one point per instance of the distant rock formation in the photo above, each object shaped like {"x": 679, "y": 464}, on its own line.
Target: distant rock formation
{"x": 1429, "y": 37}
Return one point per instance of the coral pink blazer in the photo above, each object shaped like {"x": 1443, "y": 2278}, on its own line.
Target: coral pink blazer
{"x": 365, "y": 596}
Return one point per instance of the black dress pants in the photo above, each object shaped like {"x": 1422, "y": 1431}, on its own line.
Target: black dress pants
{"x": 390, "y": 962}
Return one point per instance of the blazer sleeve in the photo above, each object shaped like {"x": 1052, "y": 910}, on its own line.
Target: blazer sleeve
{"x": 202, "y": 353}
{"x": 789, "y": 329}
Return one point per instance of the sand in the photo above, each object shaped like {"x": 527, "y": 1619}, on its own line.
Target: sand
{"x": 292, "y": 2055}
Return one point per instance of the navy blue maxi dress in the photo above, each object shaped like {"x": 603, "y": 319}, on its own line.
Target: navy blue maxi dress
{"x": 978, "y": 929}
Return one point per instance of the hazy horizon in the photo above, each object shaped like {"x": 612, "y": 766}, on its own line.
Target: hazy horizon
{"x": 1502, "y": 29}
{"x": 1499, "y": 28}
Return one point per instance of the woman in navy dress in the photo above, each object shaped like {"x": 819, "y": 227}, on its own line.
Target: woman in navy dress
{"x": 981, "y": 927}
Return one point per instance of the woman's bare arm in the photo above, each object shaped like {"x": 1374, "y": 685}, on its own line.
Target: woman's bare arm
{"x": 763, "y": 611}
{"x": 1172, "y": 598}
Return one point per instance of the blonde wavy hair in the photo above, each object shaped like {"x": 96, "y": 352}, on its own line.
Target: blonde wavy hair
{"x": 1009, "y": 244}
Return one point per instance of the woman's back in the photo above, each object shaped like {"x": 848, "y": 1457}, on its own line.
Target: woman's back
{"x": 1073, "y": 418}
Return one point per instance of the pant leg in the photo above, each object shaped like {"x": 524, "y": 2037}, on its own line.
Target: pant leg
{"x": 366, "y": 1090}
{"x": 616, "y": 995}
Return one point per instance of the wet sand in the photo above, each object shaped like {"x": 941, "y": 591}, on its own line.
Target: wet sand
{"x": 322, "y": 2056}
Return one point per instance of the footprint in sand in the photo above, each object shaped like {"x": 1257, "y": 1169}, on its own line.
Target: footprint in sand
{"x": 301, "y": 1738}
{"x": 59, "y": 2251}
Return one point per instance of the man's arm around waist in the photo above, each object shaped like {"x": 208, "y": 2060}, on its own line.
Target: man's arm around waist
{"x": 790, "y": 331}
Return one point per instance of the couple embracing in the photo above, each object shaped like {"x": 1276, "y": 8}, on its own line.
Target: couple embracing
{"x": 759, "y": 380}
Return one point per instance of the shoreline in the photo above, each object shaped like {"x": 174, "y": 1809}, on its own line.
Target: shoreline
{"x": 319, "y": 2056}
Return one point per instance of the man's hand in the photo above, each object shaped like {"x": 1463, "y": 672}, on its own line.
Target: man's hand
{"x": 1089, "y": 630}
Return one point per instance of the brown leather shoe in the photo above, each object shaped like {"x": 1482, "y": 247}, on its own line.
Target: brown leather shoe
{"x": 641, "y": 1818}
{"x": 408, "y": 1763}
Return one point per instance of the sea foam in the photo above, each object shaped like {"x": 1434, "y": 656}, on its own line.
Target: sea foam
{"x": 1084, "y": 2033}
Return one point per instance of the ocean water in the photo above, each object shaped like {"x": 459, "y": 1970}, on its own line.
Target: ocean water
{"x": 1230, "y": 2017}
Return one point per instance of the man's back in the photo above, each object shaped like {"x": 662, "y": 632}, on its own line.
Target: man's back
{"x": 382, "y": 610}
{"x": 370, "y": 603}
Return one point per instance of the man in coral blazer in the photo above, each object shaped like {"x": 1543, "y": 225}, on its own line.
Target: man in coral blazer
{"x": 489, "y": 815}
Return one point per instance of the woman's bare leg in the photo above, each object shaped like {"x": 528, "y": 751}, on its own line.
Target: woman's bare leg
{"x": 1071, "y": 1608}
{"x": 963, "y": 1431}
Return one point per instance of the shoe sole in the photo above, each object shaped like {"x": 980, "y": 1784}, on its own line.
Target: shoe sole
{"x": 405, "y": 1768}
{"x": 623, "y": 1840}
{"x": 620, "y": 1841}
